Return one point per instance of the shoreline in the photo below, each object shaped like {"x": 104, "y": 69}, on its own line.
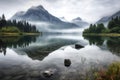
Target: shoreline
{"x": 19, "y": 34}
{"x": 102, "y": 34}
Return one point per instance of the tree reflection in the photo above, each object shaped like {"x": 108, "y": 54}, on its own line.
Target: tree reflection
{"x": 2, "y": 47}
{"x": 96, "y": 40}
{"x": 113, "y": 45}
{"x": 15, "y": 42}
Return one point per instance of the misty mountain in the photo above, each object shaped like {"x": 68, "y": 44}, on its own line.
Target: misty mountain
{"x": 63, "y": 19}
{"x": 36, "y": 14}
{"x": 40, "y": 14}
{"x": 78, "y": 21}
{"x": 108, "y": 18}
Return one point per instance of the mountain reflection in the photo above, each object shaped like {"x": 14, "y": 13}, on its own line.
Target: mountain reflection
{"x": 30, "y": 58}
{"x": 112, "y": 43}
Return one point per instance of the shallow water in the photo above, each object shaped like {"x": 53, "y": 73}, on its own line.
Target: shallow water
{"x": 26, "y": 58}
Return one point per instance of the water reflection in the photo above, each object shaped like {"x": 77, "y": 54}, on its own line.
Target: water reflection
{"x": 2, "y": 47}
{"x": 112, "y": 43}
{"x": 48, "y": 43}
{"x": 96, "y": 40}
{"x": 30, "y": 61}
{"x": 55, "y": 57}
{"x": 15, "y": 42}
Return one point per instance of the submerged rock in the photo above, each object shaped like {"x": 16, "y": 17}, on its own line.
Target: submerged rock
{"x": 67, "y": 62}
{"x": 48, "y": 73}
{"x": 78, "y": 46}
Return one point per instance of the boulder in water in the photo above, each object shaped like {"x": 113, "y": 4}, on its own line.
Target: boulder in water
{"x": 78, "y": 46}
{"x": 67, "y": 62}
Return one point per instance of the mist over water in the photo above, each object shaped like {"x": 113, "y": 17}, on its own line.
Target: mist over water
{"x": 52, "y": 28}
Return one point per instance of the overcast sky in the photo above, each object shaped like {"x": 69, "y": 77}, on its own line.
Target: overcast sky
{"x": 89, "y": 10}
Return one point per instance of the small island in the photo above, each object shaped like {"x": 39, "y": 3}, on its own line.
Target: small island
{"x": 112, "y": 29}
{"x": 16, "y": 28}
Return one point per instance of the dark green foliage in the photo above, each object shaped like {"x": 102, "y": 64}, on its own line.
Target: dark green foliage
{"x": 113, "y": 27}
{"x": 2, "y": 21}
{"x": 23, "y": 26}
{"x": 115, "y": 30}
{"x": 114, "y": 23}
{"x": 99, "y": 28}
{"x": 111, "y": 24}
{"x": 10, "y": 29}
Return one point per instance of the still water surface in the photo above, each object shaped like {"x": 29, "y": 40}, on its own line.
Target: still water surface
{"x": 27, "y": 58}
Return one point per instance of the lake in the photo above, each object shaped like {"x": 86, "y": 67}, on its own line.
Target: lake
{"x": 32, "y": 57}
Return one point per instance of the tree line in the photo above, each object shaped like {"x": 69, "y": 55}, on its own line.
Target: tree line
{"x": 23, "y": 26}
{"x": 112, "y": 27}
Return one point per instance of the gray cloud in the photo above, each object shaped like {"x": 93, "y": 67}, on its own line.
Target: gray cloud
{"x": 89, "y": 10}
{"x": 52, "y": 1}
{"x": 10, "y": 2}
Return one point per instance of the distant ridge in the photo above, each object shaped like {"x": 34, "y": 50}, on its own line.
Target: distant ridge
{"x": 108, "y": 18}
{"x": 78, "y": 21}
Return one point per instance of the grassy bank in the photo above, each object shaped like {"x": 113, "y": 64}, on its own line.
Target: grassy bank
{"x": 101, "y": 34}
{"x": 15, "y": 31}
{"x": 18, "y": 34}
{"x": 112, "y": 73}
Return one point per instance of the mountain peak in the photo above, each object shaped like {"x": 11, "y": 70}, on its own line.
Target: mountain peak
{"x": 40, "y": 7}
{"x": 77, "y": 19}
{"x": 36, "y": 13}
{"x": 80, "y": 22}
